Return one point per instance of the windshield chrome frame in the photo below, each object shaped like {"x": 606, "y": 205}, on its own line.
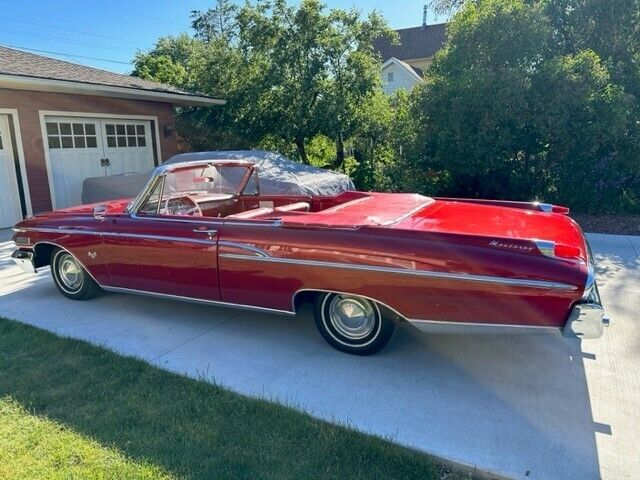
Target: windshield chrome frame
{"x": 162, "y": 171}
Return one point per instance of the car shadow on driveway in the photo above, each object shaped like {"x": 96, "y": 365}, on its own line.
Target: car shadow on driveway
{"x": 516, "y": 405}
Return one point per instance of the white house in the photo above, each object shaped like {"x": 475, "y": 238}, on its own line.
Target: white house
{"x": 405, "y": 62}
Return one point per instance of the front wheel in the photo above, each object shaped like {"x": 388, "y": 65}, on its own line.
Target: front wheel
{"x": 71, "y": 278}
{"x": 352, "y": 324}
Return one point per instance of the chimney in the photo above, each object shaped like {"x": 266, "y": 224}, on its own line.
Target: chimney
{"x": 424, "y": 16}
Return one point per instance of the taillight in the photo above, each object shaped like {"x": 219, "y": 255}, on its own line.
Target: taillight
{"x": 567, "y": 251}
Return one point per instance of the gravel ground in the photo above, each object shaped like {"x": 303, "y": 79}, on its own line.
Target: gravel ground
{"x": 612, "y": 224}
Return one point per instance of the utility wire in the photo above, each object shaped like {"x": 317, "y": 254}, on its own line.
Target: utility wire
{"x": 68, "y": 54}
{"x": 69, "y": 41}
{"x": 132, "y": 12}
{"x": 64, "y": 29}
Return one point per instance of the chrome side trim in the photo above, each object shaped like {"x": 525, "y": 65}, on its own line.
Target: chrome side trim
{"x": 63, "y": 231}
{"x": 542, "y": 284}
{"x": 545, "y": 207}
{"x": 194, "y": 220}
{"x": 144, "y": 236}
{"x": 243, "y": 246}
{"x": 197, "y": 300}
{"x": 276, "y": 222}
{"x": 546, "y": 247}
{"x": 442, "y": 327}
{"x": 70, "y": 231}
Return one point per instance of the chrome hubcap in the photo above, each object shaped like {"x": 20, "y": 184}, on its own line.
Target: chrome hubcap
{"x": 352, "y": 317}
{"x": 70, "y": 272}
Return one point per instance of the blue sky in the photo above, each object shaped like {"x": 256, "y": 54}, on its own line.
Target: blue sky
{"x": 114, "y": 29}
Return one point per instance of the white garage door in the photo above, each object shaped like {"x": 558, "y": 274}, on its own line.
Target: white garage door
{"x": 10, "y": 212}
{"x": 90, "y": 147}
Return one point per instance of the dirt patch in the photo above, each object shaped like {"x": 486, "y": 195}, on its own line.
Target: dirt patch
{"x": 613, "y": 224}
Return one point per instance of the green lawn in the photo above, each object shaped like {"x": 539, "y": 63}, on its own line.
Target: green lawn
{"x": 72, "y": 410}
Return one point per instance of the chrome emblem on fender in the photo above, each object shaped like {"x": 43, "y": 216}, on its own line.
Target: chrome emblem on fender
{"x": 510, "y": 246}
{"x": 92, "y": 254}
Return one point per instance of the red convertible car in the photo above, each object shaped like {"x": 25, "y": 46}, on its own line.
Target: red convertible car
{"x": 201, "y": 231}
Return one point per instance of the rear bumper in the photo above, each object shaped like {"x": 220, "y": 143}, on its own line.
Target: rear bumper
{"x": 24, "y": 260}
{"x": 587, "y": 318}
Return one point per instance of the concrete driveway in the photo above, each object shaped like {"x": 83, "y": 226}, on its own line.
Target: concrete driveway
{"x": 535, "y": 407}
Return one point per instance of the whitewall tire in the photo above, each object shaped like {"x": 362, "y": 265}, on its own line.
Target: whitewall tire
{"x": 352, "y": 324}
{"x": 70, "y": 277}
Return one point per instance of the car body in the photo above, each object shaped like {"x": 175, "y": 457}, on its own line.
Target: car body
{"x": 201, "y": 231}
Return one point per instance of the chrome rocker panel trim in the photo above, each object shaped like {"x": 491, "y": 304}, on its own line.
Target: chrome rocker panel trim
{"x": 196, "y": 300}
{"x": 471, "y": 328}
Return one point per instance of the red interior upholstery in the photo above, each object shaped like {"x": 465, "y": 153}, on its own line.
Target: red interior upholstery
{"x": 292, "y": 207}
{"x": 256, "y": 212}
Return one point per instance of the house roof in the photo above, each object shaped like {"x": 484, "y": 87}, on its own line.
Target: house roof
{"x": 415, "y": 42}
{"x": 413, "y": 71}
{"x": 28, "y": 71}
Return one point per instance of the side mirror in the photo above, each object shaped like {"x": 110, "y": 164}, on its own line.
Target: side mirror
{"x": 100, "y": 212}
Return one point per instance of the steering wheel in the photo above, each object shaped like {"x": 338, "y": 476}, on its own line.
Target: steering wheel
{"x": 182, "y": 205}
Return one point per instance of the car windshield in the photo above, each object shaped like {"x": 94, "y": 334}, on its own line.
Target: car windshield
{"x": 207, "y": 179}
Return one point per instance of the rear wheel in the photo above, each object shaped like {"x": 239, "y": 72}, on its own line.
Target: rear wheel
{"x": 352, "y": 324}
{"x": 71, "y": 279}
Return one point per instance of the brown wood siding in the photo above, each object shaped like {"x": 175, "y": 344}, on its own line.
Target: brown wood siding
{"x": 30, "y": 103}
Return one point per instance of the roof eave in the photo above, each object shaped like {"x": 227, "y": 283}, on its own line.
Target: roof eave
{"x": 404, "y": 66}
{"x": 19, "y": 82}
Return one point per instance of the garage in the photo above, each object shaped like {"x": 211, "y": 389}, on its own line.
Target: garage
{"x": 10, "y": 209}
{"x": 82, "y": 147}
{"x": 61, "y": 123}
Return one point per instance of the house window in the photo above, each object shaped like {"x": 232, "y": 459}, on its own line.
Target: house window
{"x": 390, "y": 77}
{"x": 71, "y": 135}
{"x": 120, "y": 135}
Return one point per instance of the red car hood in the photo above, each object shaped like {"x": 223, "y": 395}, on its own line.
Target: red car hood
{"x": 113, "y": 207}
{"x": 501, "y": 222}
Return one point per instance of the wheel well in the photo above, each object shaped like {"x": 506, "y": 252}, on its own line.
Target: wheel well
{"x": 304, "y": 297}
{"x": 43, "y": 254}
{"x": 310, "y": 296}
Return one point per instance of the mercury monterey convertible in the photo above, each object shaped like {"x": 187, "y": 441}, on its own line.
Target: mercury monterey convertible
{"x": 201, "y": 231}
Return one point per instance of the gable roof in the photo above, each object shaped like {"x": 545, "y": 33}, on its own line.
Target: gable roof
{"x": 415, "y": 42}
{"x": 28, "y": 71}
{"x": 416, "y": 73}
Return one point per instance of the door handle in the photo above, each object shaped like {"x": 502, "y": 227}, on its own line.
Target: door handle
{"x": 204, "y": 230}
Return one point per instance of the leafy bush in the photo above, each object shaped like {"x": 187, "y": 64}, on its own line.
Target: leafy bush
{"x": 527, "y": 100}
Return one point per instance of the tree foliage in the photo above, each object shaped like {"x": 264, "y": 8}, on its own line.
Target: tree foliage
{"x": 528, "y": 98}
{"x": 288, "y": 73}
{"x": 535, "y": 99}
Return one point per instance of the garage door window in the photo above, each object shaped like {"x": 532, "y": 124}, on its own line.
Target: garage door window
{"x": 71, "y": 135}
{"x": 129, "y": 135}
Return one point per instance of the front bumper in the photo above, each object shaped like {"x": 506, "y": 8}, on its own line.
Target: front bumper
{"x": 587, "y": 318}
{"x": 25, "y": 260}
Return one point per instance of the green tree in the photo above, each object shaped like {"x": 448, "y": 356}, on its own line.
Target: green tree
{"x": 288, "y": 73}
{"x": 528, "y": 100}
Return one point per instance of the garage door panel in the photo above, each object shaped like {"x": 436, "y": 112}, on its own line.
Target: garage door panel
{"x": 69, "y": 169}
{"x": 128, "y": 146}
{"x": 10, "y": 211}
{"x": 75, "y": 150}
{"x": 78, "y": 145}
